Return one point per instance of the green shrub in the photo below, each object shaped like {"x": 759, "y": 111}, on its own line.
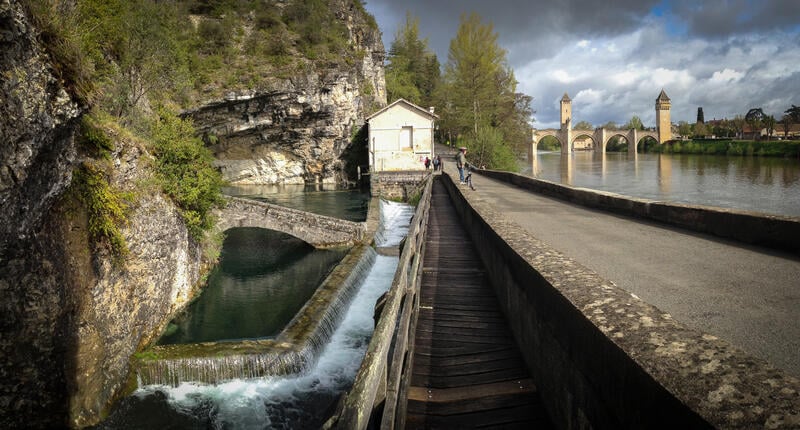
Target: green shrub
{"x": 105, "y": 207}
{"x": 93, "y": 139}
{"x": 185, "y": 171}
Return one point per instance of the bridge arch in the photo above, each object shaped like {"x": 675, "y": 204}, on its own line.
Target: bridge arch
{"x": 646, "y": 142}
{"x": 317, "y": 230}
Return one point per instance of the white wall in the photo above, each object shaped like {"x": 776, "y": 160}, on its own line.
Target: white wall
{"x": 389, "y": 145}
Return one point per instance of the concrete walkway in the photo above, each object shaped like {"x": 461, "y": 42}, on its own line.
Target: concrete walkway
{"x": 745, "y": 295}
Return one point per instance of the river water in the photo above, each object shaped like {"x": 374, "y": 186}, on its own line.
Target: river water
{"x": 296, "y": 401}
{"x": 761, "y": 184}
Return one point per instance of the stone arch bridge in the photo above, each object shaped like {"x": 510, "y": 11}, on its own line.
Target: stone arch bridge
{"x": 317, "y": 230}
{"x": 601, "y": 136}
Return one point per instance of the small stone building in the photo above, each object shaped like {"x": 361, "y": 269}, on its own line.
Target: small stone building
{"x": 400, "y": 137}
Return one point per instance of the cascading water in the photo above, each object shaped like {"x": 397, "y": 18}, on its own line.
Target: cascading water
{"x": 395, "y": 218}
{"x": 303, "y": 400}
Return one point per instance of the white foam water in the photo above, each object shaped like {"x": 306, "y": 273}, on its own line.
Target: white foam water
{"x": 281, "y": 402}
{"x": 395, "y": 219}
{"x": 284, "y": 402}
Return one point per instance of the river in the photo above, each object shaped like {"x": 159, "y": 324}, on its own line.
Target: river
{"x": 760, "y": 184}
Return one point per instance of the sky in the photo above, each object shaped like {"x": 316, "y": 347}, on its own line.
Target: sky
{"x": 613, "y": 58}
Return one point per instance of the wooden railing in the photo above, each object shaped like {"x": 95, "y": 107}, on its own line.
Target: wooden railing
{"x": 376, "y": 395}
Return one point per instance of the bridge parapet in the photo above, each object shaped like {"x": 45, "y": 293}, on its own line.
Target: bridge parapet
{"x": 601, "y": 356}
{"x": 318, "y": 230}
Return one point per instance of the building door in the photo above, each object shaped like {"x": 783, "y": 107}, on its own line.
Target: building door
{"x": 407, "y": 138}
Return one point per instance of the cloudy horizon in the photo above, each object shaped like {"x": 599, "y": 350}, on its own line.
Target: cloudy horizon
{"x": 725, "y": 56}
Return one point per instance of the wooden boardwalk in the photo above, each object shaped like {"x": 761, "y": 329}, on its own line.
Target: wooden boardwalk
{"x": 467, "y": 370}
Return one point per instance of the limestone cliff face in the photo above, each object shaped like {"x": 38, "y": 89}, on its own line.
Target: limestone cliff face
{"x": 296, "y": 131}
{"x": 117, "y": 308}
{"x": 37, "y": 124}
{"x": 70, "y": 318}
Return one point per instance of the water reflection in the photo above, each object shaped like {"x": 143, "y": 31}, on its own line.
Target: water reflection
{"x": 263, "y": 279}
{"x": 323, "y": 199}
{"x": 759, "y": 184}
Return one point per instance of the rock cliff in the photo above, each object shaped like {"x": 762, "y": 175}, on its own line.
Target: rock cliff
{"x": 296, "y": 131}
{"x": 71, "y": 318}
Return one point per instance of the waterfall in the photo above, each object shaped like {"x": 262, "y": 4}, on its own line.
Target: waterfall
{"x": 395, "y": 218}
{"x": 306, "y": 380}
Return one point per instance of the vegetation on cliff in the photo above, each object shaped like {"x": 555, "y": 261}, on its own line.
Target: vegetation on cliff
{"x": 138, "y": 62}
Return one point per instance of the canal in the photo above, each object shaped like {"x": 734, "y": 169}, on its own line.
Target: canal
{"x": 261, "y": 281}
{"x": 761, "y": 184}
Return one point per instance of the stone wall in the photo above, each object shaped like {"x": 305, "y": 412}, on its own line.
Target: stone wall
{"x": 779, "y": 232}
{"x": 398, "y": 185}
{"x": 602, "y": 358}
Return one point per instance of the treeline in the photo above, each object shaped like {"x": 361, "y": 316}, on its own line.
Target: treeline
{"x": 476, "y": 95}
{"x": 763, "y": 148}
{"x": 137, "y": 63}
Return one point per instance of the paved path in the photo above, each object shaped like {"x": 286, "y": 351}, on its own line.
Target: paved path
{"x": 748, "y": 296}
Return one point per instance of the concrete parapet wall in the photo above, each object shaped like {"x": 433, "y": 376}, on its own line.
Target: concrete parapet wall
{"x": 317, "y": 230}
{"x": 774, "y": 231}
{"x": 602, "y": 358}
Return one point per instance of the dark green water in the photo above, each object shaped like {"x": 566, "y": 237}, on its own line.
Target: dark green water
{"x": 263, "y": 279}
{"x": 319, "y": 198}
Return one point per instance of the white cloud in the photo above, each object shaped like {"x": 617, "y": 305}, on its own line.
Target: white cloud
{"x": 726, "y": 76}
{"x": 562, "y": 76}
{"x": 583, "y": 43}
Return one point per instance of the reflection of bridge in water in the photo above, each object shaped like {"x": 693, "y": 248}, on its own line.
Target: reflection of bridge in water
{"x": 567, "y": 136}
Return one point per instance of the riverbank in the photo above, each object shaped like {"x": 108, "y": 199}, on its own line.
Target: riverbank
{"x": 761, "y": 148}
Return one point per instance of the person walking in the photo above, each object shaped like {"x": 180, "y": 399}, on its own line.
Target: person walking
{"x": 436, "y": 162}
{"x": 461, "y": 161}
{"x": 427, "y": 163}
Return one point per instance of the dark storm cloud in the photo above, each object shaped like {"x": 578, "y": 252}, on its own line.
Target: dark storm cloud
{"x": 722, "y": 18}
{"x": 613, "y": 58}
{"x": 517, "y": 22}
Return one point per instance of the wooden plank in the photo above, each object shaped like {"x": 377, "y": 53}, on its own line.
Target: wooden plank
{"x": 467, "y": 372}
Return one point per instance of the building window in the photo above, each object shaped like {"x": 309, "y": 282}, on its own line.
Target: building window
{"x": 407, "y": 138}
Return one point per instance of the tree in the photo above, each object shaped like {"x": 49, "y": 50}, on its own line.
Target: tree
{"x": 479, "y": 97}
{"x": 738, "y": 125}
{"x": 473, "y": 63}
{"x": 794, "y": 113}
{"x": 634, "y": 123}
{"x": 755, "y": 117}
{"x": 583, "y": 125}
{"x": 412, "y": 72}
{"x": 786, "y": 121}
{"x": 684, "y": 129}
{"x": 700, "y": 130}
{"x": 769, "y": 123}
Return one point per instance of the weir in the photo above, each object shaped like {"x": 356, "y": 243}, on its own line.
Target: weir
{"x": 291, "y": 352}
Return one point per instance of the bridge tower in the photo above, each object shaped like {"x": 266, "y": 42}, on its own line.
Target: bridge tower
{"x": 566, "y": 112}
{"x": 663, "y": 124}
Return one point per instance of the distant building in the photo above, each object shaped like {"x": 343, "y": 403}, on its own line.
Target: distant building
{"x": 663, "y": 124}
{"x": 400, "y": 137}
